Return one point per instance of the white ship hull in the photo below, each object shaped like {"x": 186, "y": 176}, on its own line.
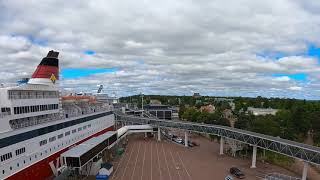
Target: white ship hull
{"x": 43, "y": 161}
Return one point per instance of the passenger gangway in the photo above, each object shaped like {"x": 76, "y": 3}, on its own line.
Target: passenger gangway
{"x": 80, "y": 158}
{"x": 307, "y": 153}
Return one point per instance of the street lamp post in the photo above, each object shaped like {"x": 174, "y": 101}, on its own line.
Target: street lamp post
{"x": 141, "y": 100}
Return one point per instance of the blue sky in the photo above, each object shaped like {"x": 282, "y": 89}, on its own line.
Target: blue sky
{"x": 70, "y": 73}
{"x": 299, "y": 76}
{"x": 89, "y": 52}
{"x": 314, "y": 51}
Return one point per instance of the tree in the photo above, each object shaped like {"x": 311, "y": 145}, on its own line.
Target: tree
{"x": 301, "y": 119}
{"x": 266, "y": 125}
{"x": 284, "y": 118}
{"x": 191, "y": 114}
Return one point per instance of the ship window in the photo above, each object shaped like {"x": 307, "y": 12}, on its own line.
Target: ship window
{"x": 60, "y": 136}
{"x": 3, "y": 171}
{"x": 20, "y": 151}
{"x": 17, "y": 164}
{"x": 41, "y": 131}
{"x": 79, "y": 129}
{"x": 84, "y": 127}
{"x": 10, "y": 167}
{"x": 6, "y": 156}
{"x": 52, "y": 139}
{"x": 67, "y": 133}
{"x": 89, "y": 125}
{"x": 74, "y": 131}
{"x": 43, "y": 142}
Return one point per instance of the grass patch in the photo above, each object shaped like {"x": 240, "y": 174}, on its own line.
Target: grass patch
{"x": 278, "y": 159}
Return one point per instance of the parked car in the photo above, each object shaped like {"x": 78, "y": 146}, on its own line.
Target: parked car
{"x": 237, "y": 172}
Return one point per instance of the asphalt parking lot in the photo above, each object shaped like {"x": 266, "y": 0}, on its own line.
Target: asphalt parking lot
{"x": 152, "y": 160}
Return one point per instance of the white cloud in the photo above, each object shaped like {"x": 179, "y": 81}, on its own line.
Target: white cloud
{"x": 295, "y": 88}
{"x": 172, "y": 47}
{"x": 282, "y": 78}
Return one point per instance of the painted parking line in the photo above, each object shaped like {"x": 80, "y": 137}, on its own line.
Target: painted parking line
{"x": 135, "y": 163}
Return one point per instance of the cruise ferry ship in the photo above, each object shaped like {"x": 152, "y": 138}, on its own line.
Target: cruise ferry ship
{"x": 37, "y": 124}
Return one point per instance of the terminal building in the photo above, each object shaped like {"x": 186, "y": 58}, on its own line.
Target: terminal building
{"x": 162, "y": 111}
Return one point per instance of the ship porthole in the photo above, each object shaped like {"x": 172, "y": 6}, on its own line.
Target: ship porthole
{"x": 17, "y": 164}
{"x": 2, "y": 171}
{"x": 10, "y": 168}
{"x": 24, "y": 161}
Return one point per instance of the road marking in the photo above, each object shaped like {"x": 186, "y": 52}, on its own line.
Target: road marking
{"x": 151, "y": 162}
{"x": 184, "y": 166}
{"x": 166, "y": 162}
{"x": 159, "y": 163}
{"x": 135, "y": 163}
{"x": 175, "y": 163}
{"x": 121, "y": 160}
{"x": 144, "y": 157}
{"x": 128, "y": 162}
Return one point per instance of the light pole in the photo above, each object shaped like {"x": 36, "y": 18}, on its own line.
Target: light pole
{"x": 141, "y": 100}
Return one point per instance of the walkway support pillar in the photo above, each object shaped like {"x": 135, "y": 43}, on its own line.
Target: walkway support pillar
{"x": 186, "y": 139}
{"x": 305, "y": 171}
{"x": 221, "y": 145}
{"x": 254, "y": 157}
{"x": 159, "y": 135}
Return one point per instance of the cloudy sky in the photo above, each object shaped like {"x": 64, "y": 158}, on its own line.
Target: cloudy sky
{"x": 222, "y": 48}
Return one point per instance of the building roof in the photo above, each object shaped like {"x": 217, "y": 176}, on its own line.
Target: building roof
{"x": 86, "y": 146}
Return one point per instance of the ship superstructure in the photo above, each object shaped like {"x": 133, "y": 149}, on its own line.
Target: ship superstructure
{"x": 37, "y": 124}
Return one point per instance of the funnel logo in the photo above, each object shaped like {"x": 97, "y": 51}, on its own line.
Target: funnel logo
{"x": 53, "y": 78}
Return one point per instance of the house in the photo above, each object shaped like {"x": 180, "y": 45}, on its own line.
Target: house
{"x": 223, "y": 99}
{"x": 227, "y": 113}
{"x": 196, "y": 95}
{"x": 262, "y": 111}
{"x": 208, "y": 108}
{"x": 155, "y": 101}
{"x": 232, "y": 105}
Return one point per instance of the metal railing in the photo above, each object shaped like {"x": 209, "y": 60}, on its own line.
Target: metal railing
{"x": 305, "y": 152}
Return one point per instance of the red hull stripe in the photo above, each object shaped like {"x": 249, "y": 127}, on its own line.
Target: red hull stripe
{"x": 43, "y": 71}
{"x": 41, "y": 170}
